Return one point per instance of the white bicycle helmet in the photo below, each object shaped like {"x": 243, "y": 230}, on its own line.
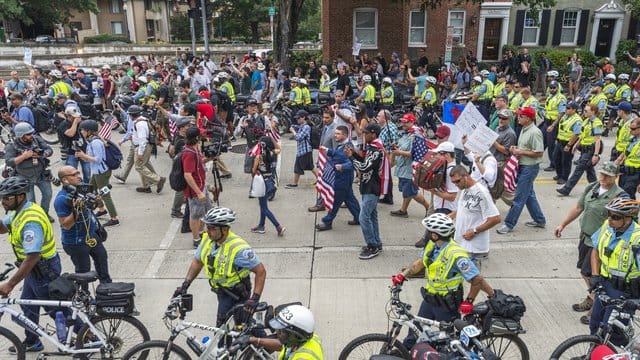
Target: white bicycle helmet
{"x": 219, "y": 216}
{"x": 223, "y": 75}
{"x": 366, "y": 78}
{"x": 150, "y": 72}
{"x": 623, "y": 205}
{"x": 440, "y": 224}
{"x": 553, "y": 73}
{"x": 610, "y": 77}
{"x": 431, "y": 80}
{"x": 296, "y": 320}
{"x": 477, "y": 78}
{"x": 143, "y": 79}
{"x": 484, "y": 72}
{"x": 55, "y": 74}
{"x": 623, "y": 76}
{"x": 386, "y": 80}
{"x": 295, "y": 79}
{"x": 303, "y": 81}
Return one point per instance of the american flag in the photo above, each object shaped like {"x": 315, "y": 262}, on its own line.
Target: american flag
{"x": 511, "y": 174}
{"x": 255, "y": 150}
{"x": 326, "y": 179}
{"x": 109, "y": 124}
{"x": 274, "y": 134}
{"x": 419, "y": 148}
{"x": 172, "y": 127}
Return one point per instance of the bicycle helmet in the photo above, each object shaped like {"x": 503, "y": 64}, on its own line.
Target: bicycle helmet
{"x": 366, "y": 78}
{"x": 14, "y": 185}
{"x": 303, "y": 81}
{"x": 477, "y": 79}
{"x": 484, "y": 72}
{"x": 55, "y": 74}
{"x": 440, "y": 224}
{"x": 386, "y": 80}
{"x": 219, "y": 216}
{"x": 431, "y": 80}
{"x": 23, "y": 128}
{"x": 143, "y": 79}
{"x": 134, "y": 111}
{"x": 150, "y": 72}
{"x": 89, "y": 125}
{"x": 623, "y": 76}
{"x": 610, "y": 77}
{"x": 223, "y": 75}
{"x": 623, "y": 205}
{"x": 553, "y": 73}
{"x": 297, "y": 320}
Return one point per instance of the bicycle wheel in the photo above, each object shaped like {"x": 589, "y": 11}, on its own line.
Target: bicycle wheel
{"x": 122, "y": 333}
{"x": 507, "y": 347}
{"x": 156, "y": 349}
{"x": 9, "y": 339}
{"x": 365, "y": 346}
{"x": 577, "y": 347}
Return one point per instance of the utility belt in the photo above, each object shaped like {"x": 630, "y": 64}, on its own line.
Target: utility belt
{"x": 627, "y": 170}
{"x": 632, "y": 287}
{"x": 586, "y": 148}
{"x": 450, "y": 301}
{"x": 42, "y": 270}
{"x": 240, "y": 292}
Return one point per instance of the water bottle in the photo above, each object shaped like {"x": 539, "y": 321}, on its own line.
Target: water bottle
{"x": 61, "y": 326}
{"x": 205, "y": 342}
{"x": 208, "y": 348}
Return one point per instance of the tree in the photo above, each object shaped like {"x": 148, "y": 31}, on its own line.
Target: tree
{"x": 236, "y": 14}
{"x": 634, "y": 6}
{"x": 45, "y": 12}
{"x": 180, "y": 27}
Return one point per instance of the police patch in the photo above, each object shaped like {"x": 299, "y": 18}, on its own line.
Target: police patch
{"x": 249, "y": 254}
{"x": 464, "y": 265}
{"x": 28, "y": 237}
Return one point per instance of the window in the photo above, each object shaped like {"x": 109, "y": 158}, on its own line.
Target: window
{"x": 148, "y": 4}
{"x": 570, "y": 22}
{"x": 417, "y": 28}
{"x": 75, "y": 25}
{"x": 365, "y": 27}
{"x": 456, "y": 19}
{"x": 114, "y": 6}
{"x": 531, "y": 29}
{"x": 117, "y": 28}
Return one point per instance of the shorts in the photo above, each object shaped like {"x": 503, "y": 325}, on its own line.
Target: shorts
{"x": 584, "y": 258}
{"x": 407, "y": 188}
{"x": 198, "y": 209}
{"x": 303, "y": 162}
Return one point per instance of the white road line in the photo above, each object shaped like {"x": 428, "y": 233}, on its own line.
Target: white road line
{"x": 158, "y": 256}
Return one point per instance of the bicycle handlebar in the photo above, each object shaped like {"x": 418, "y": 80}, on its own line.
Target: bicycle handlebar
{"x": 8, "y": 268}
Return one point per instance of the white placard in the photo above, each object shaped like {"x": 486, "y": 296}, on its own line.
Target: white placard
{"x": 355, "y": 50}
{"x": 28, "y": 54}
{"x": 455, "y": 137}
{"x": 470, "y": 119}
{"x": 481, "y": 139}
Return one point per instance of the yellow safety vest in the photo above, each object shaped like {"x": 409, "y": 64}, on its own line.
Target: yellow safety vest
{"x": 219, "y": 268}
{"x": 324, "y": 85}
{"x": 33, "y": 213}
{"x": 229, "y": 90}
{"x": 387, "y": 99}
{"x": 587, "y": 138}
{"x": 438, "y": 273}
{"x": 607, "y": 90}
{"x": 531, "y": 102}
{"x": 552, "y": 104}
{"x": 310, "y": 350}
{"x": 624, "y": 135}
{"x": 306, "y": 96}
{"x": 61, "y": 87}
{"x": 155, "y": 86}
{"x": 632, "y": 159}
{"x": 498, "y": 89}
{"x": 565, "y": 125}
{"x": 514, "y": 103}
{"x": 369, "y": 93}
{"x": 297, "y": 96}
{"x": 619, "y": 93}
{"x": 596, "y": 99}
{"x": 622, "y": 261}
{"x": 488, "y": 94}
{"x": 434, "y": 97}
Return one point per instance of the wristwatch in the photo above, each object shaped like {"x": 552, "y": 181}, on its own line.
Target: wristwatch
{"x": 475, "y": 231}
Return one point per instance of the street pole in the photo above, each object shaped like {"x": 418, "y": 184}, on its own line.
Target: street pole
{"x": 192, "y": 25}
{"x": 272, "y": 12}
{"x": 205, "y": 32}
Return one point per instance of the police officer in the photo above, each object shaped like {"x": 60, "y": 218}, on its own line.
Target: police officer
{"x": 622, "y": 94}
{"x": 482, "y": 95}
{"x": 499, "y": 88}
{"x": 614, "y": 263}
{"x": 610, "y": 88}
{"x": 306, "y": 94}
{"x": 599, "y": 98}
{"x": 443, "y": 290}
{"x": 554, "y": 106}
{"x": 387, "y": 94}
{"x": 227, "y": 260}
{"x": 569, "y": 129}
{"x": 58, "y": 86}
{"x": 368, "y": 95}
{"x": 624, "y": 118}
{"x": 553, "y": 75}
{"x": 31, "y": 237}
{"x": 630, "y": 161}
{"x": 428, "y": 100}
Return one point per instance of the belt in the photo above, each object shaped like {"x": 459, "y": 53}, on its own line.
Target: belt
{"x": 586, "y": 148}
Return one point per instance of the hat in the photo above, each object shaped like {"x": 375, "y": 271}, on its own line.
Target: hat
{"x": 553, "y": 84}
{"x": 323, "y": 67}
{"x": 183, "y": 121}
{"x": 528, "y": 112}
{"x": 192, "y": 133}
{"x": 573, "y": 105}
{"x": 624, "y": 106}
{"x": 609, "y": 168}
{"x": 443, "y": 131}
{"x": 505, "y": 113}
{"x": 261, "y": 66}
{"x": 72, "y": 111}
{"x": 252, "y": 102}
{"x": 408, "y": 118}
{"x": 373, "y": 129}
{"x": 477, "y": 78}
{"x": 56, "y": 62}
{"x": 446, "y": 146}
{"x": 301, "y": 113}
{"x": 61, "y": 96}
{"x": 205, "y": 94}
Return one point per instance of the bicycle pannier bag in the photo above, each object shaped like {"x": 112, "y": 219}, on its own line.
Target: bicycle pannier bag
{"x": 115, "y": 299}
{"x": 508, "y": 306}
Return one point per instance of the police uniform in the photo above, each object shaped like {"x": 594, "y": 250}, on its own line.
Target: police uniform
{"x": 554, "y": 107}
{"x": 591, "y": 129}
{"x": 630, "y": 170}
{"x": 227, "y": 88}
{"x": 60, "y": 87}
{"x": 609, "y": 90}
{"x": 567, "y": 128}
{"x": 388, "y": 97}
{"x": 430, "y": 99}
{"x": 600, "y": 100}
{"x": 623, "y": 137}
{"x": 485, "y": 95}
{"x": 310, "y": 350}
{"x": 227, "y": 267}
{"x": 369, "y": 98}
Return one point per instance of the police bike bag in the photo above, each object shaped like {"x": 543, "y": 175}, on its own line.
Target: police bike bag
{"x": 115, "y": 299}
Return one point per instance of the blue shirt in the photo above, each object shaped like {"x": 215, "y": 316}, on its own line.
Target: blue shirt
{"x": 303, "y": 137}
{"x": 420, "y": 84}
{"x": 95, "y": 148}
{"x": 130, "y": 128}
{"x": 256, "y": 81}
{"x": 463, "y": 265}
{"x": 23, "y": 113}
{"x": 32, "y": 233}
{"x": 78, "y": 233}
{"x": 246, "y": 259}
{"x": 86, "y": 82}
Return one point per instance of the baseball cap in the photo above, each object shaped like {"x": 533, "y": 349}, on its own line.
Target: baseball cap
{"x": 301, "y": 113}
{"x": 252, "y": 102}
{"x": 528, "y": 112}
{"x": 609, "y": 168}
{"x": 372, "y": 128}
{"x": 505, "y": 113}
{"x": 624, "y": 106}
{"x": 408, "y": 118}
{"x": 573, "y": 105}
{"x": 446, "y": 146}
{"x": 71, "y": 111}
{"x": 443, "y": 131}
{"x": 553, "y": 84}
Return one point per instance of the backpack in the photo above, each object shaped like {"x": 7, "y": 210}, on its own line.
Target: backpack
{"x": 176, "y": 176}
{"x": 314, "y": 137}
{"x": 498, "y": 188}
{"x": 40, "y": 118}
{"x": 113, "y": 155}
{"x": 431, "y": 171}
{"x": 505, "y": 305}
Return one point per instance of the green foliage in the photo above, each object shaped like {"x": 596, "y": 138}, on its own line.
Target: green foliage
{"x": 625, "y": 45}
{"x": 634, "y": 6}
{"x": 558, "y": 57}
{"x": 45, "y": 12}
{"x": 310, "y": 21}
{"x": 235, "y": 15}
{"x": 105, "y": 38}
{"x": 534, "y": 5}
{"x": 180, "y": 29}
{"x": 301, "y": 58}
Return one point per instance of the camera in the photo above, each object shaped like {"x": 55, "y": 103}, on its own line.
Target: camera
{"x": 215, "y": 143}
{"x": 77, "y": 145}
{"x": 87, "y": 194}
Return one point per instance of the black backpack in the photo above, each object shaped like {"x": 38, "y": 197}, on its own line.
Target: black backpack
{"x": 508, "y": 306}
{"x": 315, "y": 135}
{"x": 176, "y": 177}
{"x": 112, "y": 155}
{"x": 40, "y": 118}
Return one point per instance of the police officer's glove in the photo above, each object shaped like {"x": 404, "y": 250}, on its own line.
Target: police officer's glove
{"x": 466, "y": 307}
{"x": 398, "y": 279}
{"x": 239, "y": 343}
{"x": 253, "y": 301}
{"x": 182, "y": 289}
{"x": 594, "y": 281}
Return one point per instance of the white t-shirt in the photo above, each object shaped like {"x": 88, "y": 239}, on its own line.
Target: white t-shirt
{"x": 490, "y": 163}
{"x": 475, "y": 206}
{"x": 438, "y": 202}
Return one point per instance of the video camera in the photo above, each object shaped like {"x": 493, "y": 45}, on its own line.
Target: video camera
{"x": 215, "y": 142}
{"x": 87, "y": 194}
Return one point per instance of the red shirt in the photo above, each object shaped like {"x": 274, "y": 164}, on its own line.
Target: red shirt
{"x": 205, "y": 110}
{"x": 192, "y": 163}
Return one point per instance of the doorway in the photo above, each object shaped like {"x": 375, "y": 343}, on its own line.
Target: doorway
{"x": 491, "y": 39}
{"x": 604, "y": 37}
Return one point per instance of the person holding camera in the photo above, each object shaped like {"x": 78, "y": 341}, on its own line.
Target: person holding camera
{"x": 80, "y": 237}
{"x": 84, "y": 85}
{"x": 28, "y": 155}
{"x": 100, "y": 172}
{"x": 71, "y": 142}
{"x": 140, "y": 139}
{"x": 263, "y": 164}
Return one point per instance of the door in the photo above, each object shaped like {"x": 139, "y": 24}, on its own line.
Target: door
{"x": 491, "y": 40}
{"x": 605, "y": 35}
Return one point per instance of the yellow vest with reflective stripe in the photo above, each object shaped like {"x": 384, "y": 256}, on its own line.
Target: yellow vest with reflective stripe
{"x": 622, "y": 261}
{"x": 297, "y": 96}
{"x": 596, "y": 99}
{"x": 624, "y": 135}
{"x": 618, "y": 97}
{"x": 633, "y": 156}
{"x": 324, "y": 84}
{"x": 551, "y": 106}
{"x": 498, "y": 89}
{"x": 434, "y": 97}
{"x": 387, "y": 99}
{"x": 488, "y": 94}
{"x": 310, "y": 350}
{"x": 306, "y": 96}
{"x": 607, "y": 88}
{"x": 531, "y": 102}
{"x": 33, "y": 213}
{"x": 229, "y": 90}
{"x": 61, "y": 87}
{"x": 219, "y": 268}
{"x": 565, "y": 125}
{"x": 155, "y": 86}
{"x": 438, "y": 273}
{"x": 587, "y": 137}
{"x": 514, "y": 103}
{"x": 369, "y": 93}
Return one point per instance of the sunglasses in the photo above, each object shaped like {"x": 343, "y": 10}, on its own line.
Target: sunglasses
{"x": 615, "y": 217}
{"x": 634, "y": 128}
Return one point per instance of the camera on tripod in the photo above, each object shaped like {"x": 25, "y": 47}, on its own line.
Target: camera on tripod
{"x": 215, "y": 143}
{"x": 86, "y": 193}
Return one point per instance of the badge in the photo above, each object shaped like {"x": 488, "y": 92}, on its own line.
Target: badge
{"x": 28, "y": 237}
{"x": 249, "y": 254}
{"x": 464, "y": 265}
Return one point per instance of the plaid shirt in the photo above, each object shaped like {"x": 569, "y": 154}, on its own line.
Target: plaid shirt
{"x": 303, "y": 137}
{"x": 389, "y": 135}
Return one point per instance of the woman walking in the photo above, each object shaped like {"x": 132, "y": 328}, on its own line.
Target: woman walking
{"x": 267, "y": 150}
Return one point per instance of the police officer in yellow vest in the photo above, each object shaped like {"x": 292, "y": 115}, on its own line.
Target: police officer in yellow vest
{"x": 553, "y": 75}
{"x": 296, "y": 340}
{"x": 227, "y": 260}
{"x": 446, "y": 266}
{"x": 151, "y": 92}
{"x": 598, "y": 97}
{"x": 614, "y": 265}
{"x": 554, "y": 106}
{"x": 295, "y": 96}
{"x": 622, "y": 94}
{"x": 226, "y": 86}
{"x": 499, "y": 88}
{"x": 31, "y": 237}
{"x": 482, "y": 90}
{"x": 624, "y": 118}
{"x": 368, "y": 95}
{"x": 387, "y": 94}
{"x": 428, "y": 100}
{"x": 306, "y": 94}
{"x": 569, "y": 129}
{"x": 58, "y": 86}
{"x": 610, "y": 88}
{"x": 630, "y": 161}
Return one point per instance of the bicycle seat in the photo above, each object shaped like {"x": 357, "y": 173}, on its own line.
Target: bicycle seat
{"x": 83, "y": 278}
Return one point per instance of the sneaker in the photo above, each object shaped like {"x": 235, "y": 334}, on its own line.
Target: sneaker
{"x": 323, "y": 227}
{"x": 112, "y": 222}
{"x": 549, "y": 168}
{"x": 28, "y": 347}
{"x": 177, "y": 215}
{"x": 146, "y": 190}
{"x": 585, "y": 305}
{"x": 196, "y": 243}
{"x": 421, "y": 243}
{"x": 535, "y": 224}
{"x": 258, "y": 229}
{"x": 369, "y": 253}
{"x": 291, "y": 186}
{"x": 161, "y": 184}
{"x": 399, "y": 213}
{"x": 556, "y": 177}
{"x": 281, "y": 230}
{"x": 353, "y": 222}
{"x": 385, "y": 201}
{"x": 561, "y": 181}
{"x": 562, "y": 192}
{"x": 101, "y": 213}
{"x": 120, "y": 179}
{"x": 504, "y": 229}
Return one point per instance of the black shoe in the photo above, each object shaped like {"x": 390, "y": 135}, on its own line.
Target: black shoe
{"x": 385, "y": 201}
{"x": 556, "y": 177}
{"x": 101, "y": 213}
{"x": 323, "y": 227}
{"x": 421, "y": 243}
{"x": 561, "y": 181}
{"x": 353, "y": 222}
{"x": 185, "y": 231}
{"x": 146, "y": 190}
{"x": 562, "y": 192}
{"x": 161, "y": 184}
{"x": 112, "y": 222}
{"x": 227, "y": 176}
{"x": 177, "y": 215}
{"x": 549, "y": 168}
{"x": 370, "y": 253}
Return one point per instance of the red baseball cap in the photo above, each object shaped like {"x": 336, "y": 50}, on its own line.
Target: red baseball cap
{"x": 408, "y": 118}
{"x": 443, "y": 131}
{"x": 528, "y": 112}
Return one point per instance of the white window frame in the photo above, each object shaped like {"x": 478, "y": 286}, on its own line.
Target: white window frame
{"x": 117, "y": 4}
{"x": 575, "y": 34}
{"x": 375, "y": 29}
{"x": 424, "y": 40}
{"x": 121, "y": 27}
{"x": 464, "y": 21}
{"x": 537, "y": 27}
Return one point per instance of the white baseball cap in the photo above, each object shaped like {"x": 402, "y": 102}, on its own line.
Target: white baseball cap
{"x": 446, "y": 146}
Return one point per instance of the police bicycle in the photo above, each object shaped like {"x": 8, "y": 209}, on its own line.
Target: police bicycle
{"x": 228, "y": 342}
{"x": 100, "y": 336}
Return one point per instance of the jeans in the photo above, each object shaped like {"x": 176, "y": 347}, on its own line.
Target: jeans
{"x": 549, "y": 139}
{"x": 600, "y": 314}
{"x": 264, "y": 204}
{"x": 86, "y": 168}
{"x": 562, "y": 161}
{"x": 339, "y": 197}
{"x": 81, "y": 255}
{"x": 525, "y": 195}
{"x": 584, "y": 164}
{"x": 45, "y": 189}
{"x": 225, "y": 303}
{"x": 629, "y": 183}
{"x": 369, "y": 220}
{"x": 432, "y": 312}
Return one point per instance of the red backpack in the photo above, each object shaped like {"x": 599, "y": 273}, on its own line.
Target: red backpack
{"x": 431, "y": 171}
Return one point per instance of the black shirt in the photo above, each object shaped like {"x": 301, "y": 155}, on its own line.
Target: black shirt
{"x": 67, "y": 142}
{"x": 423, "y": 62}
{"x": 342, "y": 83}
